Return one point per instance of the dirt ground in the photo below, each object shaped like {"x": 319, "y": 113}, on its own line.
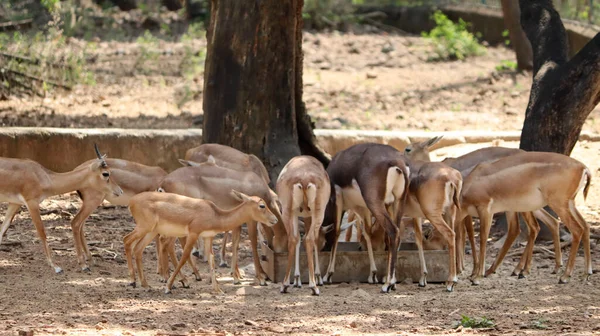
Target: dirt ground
{"x": 351, "y": 81}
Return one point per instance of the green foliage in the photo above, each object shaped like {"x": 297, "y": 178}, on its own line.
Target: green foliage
{"x": 51, "y": 5}
{"x": 506, "y": 65}
{"x": 451, "y": 40}
{"x": 148, "y": 46}
{"x": 476, "y": 322}
{"x": 539, "y": 324}
{"x": 506, "y": 34}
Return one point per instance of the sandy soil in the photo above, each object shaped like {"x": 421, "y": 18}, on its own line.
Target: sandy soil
{"x": 374, "y": 81}
{"x": 352, "y": 81}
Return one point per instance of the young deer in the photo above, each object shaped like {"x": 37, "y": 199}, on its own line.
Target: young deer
{"x": 304, "y": 189}
{"x": 26, "y": 182}
{"x": 370, "y": 179}
{"x": 232, "y": 158}
{"x": 132, "y": 177}
{"x": 465, "y": 164}
{"x": 527, "y": 182}
{"x": 211, "y": 182}
{"x": 172, "y": 215}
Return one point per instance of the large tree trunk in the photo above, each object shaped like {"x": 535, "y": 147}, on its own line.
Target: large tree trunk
{"x": 253, "y": 81}
{"x": 172, "y": 5}
{"x": 564, "y": 92}
{"x": 518, "y": 39}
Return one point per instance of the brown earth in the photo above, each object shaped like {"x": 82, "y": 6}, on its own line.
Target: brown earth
{"x": 350, "y": 83}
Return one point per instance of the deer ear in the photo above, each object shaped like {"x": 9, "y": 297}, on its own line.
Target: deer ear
{"x": 187, "y": 163}
{"x": 239, "y": 196}
{"x": 433, "y": 141}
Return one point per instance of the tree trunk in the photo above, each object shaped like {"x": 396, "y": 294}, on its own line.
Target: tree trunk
{"x": 564, "y": 92}
{"x": 253, "y": 81}
{"x": 172, "y": 5}
{"x": 125, "y": 5}
{"x": 518, "y": 39}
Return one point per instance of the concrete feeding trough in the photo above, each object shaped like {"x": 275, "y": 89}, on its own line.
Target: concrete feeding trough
{"x": 352, "y": 264}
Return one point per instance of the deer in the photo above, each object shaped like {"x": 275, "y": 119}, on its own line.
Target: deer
{"x": 465, "y": 164}
{"x": 211, "y": 182}
{"x": 232, "y": 158}
{"x": 526, "y": 182}
{"x": 26, "y": 182}
{"x": 172, "y": 215}
{"x": 371, "y": 180}
{"x": 132, "y": 177}
{"x": 304, "y": 189}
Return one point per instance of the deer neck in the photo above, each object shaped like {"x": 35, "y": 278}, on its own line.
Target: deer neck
{"x": 62, "y": 183}
{"x": 233, "y": 218}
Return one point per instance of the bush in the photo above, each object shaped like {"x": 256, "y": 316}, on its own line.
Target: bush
{"x": 474, "y": 322}
{"x": 452, "y": 41}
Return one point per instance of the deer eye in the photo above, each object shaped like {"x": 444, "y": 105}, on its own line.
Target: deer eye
{"x": 262, "y": 206}
{"x": 105, "y": 174}
{"x": 407, "y": 150}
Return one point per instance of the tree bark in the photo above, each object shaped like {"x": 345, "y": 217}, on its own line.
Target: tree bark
{"x": 563, "y": 92}
{"x": 518, "y": 39}
{"x": 253, "y": 81}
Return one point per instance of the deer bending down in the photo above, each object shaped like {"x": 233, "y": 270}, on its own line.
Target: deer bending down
{"x": 434, "y": 194}
{"x": 465, "y": 164}
{"x": 172, "y": 215}
{"x": 369, "y": 179}
{"x": 527, "y": 182}
{"x": 133, "y": 178}
{"x": 26, "y": 182}
{"x": 303, "y": 188}
{"x": 232, "y": 158}
{"x": 212, "y": 182}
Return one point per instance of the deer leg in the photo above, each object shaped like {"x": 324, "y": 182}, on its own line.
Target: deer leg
{"x": 485, "y": 220}
{"x": 191, "y": 261}
{"x": 586, "y": 238}
{"x": 467, "y": 222}
{"x": 338, "y": 220}
{"x": 187, "y": 251}
{"x": 417, "y": 225}
{"x": 554, "y": 227}
{"x": 577, "y": 232}
{"x": 513, "y": 230}
{"x": 90, "y": 203}
{"x": 213, "y": 276}
{"x": 459, "y": 231}
{"x": 34, "y": 211}
{"x": 165, "y": 247}
{"x": 138, "y": 252}
{"x": 534, "y": 229}
{"x": 223, "y": 249}
{"x": 129, "y": 241}
{"x": 446, "y": 230}
{"x": 366, "y": 230}
{"x": 260, "y": 275}
{"x": 310, "y": 243}
{"x": 11, "y": 211}
{"x": 235, "y": 243}
{"x": 291, "y": 223}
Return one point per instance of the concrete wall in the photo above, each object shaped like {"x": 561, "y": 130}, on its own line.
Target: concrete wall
{"x": 489, "y": 22}
{"x": 62, "y": 149}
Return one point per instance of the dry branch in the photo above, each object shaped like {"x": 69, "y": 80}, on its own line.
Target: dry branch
{"x": 536, "y": 249}
{"x": 37, "y": 79}
{"x": 16, "y": 25}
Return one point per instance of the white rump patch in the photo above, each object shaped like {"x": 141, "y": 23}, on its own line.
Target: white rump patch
{"x": 394, "y": 185}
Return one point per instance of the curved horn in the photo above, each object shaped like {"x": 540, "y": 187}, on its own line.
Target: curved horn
{"x": 98, "y": 151}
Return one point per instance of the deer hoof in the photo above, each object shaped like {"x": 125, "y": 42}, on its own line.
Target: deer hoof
{"x": 86, "y": 269}
{"x": 183, "y": 284}
{"x": 315, "y": 291}
{"x": 297, "y": 282}
{"x": 167, "y": 291}
{"x": 132, "y": 284}
{"x": 372, "y": 278}
{"x": 386, "y": 288}
{"x": 563, "y": 281}
{"x": 328, "y": 278}
{"x": 223, "y": 264}
{"x": 319, "y": 279}
{"x": 284, "y": 289}
{"x": 57, "y": 270}
{"x": 521, "y": 276}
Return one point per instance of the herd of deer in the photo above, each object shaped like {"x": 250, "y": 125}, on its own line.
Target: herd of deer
{"x": 219, "y": 188}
